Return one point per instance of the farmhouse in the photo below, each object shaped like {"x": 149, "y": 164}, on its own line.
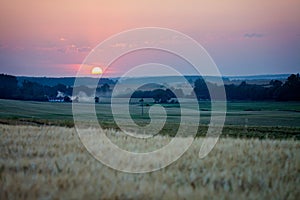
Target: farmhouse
{"x": 56, "y": 99}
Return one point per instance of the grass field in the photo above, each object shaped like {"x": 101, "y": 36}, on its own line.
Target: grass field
{"x": 46, "y": 162}
{"x": 243, "y": 119}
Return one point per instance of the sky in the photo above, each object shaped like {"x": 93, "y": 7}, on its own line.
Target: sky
{"x": 53, "y": 37}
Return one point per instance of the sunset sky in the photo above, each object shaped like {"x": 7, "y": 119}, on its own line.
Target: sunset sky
{"x": 52, "y": 37}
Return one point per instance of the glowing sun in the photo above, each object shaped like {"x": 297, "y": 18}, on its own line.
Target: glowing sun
{"x": 96, "y": 70}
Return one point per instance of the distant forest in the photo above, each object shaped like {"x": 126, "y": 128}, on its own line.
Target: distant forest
{"x": 11, "y": 88}
{"x": 275, "y": 91}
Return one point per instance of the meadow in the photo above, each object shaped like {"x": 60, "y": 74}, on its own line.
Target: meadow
{"x": 243, "y": 119}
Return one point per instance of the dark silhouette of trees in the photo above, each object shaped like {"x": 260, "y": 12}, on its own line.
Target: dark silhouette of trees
{"x": 104, "y": 90}
{"x": 201, "y": 90}
{"x": 158, "y": 95}
{"x": 142, "y": 94}
{"x": 275, "y": 90}
{"x": 161, "y": 96}
{"x": 246, "y": 91}
{"x": 290, "y": 90}
{"x": 8, "y": 86}
{"x": 32, "y": 91}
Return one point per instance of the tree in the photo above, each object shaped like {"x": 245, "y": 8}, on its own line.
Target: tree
{"x": 104, "y": 90}
{"x": 8, "y": 86}
{"x": 275, "y": 83}
{"x": 274, "y": 91}
{"x": 162, "y": 96}
{"x": 200, "y": 89}
{"x": 32, "y": 91}
{"x": 290, "y": 89}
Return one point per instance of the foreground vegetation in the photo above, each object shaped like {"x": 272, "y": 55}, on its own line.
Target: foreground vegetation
{"x": 49, "y": 162}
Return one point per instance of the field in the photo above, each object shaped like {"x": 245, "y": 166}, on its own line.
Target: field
{"x": 51, "y": 163}
{"x": 257, "y": 156}
{"x": 244, "y": 119}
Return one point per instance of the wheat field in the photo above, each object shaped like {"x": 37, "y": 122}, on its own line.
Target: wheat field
{"x": 49, "y": 162}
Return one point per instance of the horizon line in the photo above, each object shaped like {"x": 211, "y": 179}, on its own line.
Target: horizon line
{"x": 112, "y": 77}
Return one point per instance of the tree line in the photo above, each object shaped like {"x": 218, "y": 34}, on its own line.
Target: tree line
{"x": 27, "y": 90}
{"x": 10, "y": 88}
{"x": 276, "y": 90}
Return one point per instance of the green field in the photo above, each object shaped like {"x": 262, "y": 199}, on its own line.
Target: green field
{"x": 243, "y": 119}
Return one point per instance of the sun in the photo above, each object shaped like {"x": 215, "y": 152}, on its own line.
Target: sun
{"x": 96, "y": 71}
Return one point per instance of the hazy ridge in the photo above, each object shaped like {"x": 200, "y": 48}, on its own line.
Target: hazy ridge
{"x": 69, "y": 81}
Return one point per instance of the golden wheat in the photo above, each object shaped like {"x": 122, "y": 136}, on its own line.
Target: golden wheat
{"x": 51, "y": 163}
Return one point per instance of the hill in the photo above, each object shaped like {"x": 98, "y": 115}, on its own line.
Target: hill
{"x": 67, "y": 81}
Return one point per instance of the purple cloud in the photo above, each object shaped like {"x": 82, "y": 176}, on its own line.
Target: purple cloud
{"x": 253, "y": 35}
